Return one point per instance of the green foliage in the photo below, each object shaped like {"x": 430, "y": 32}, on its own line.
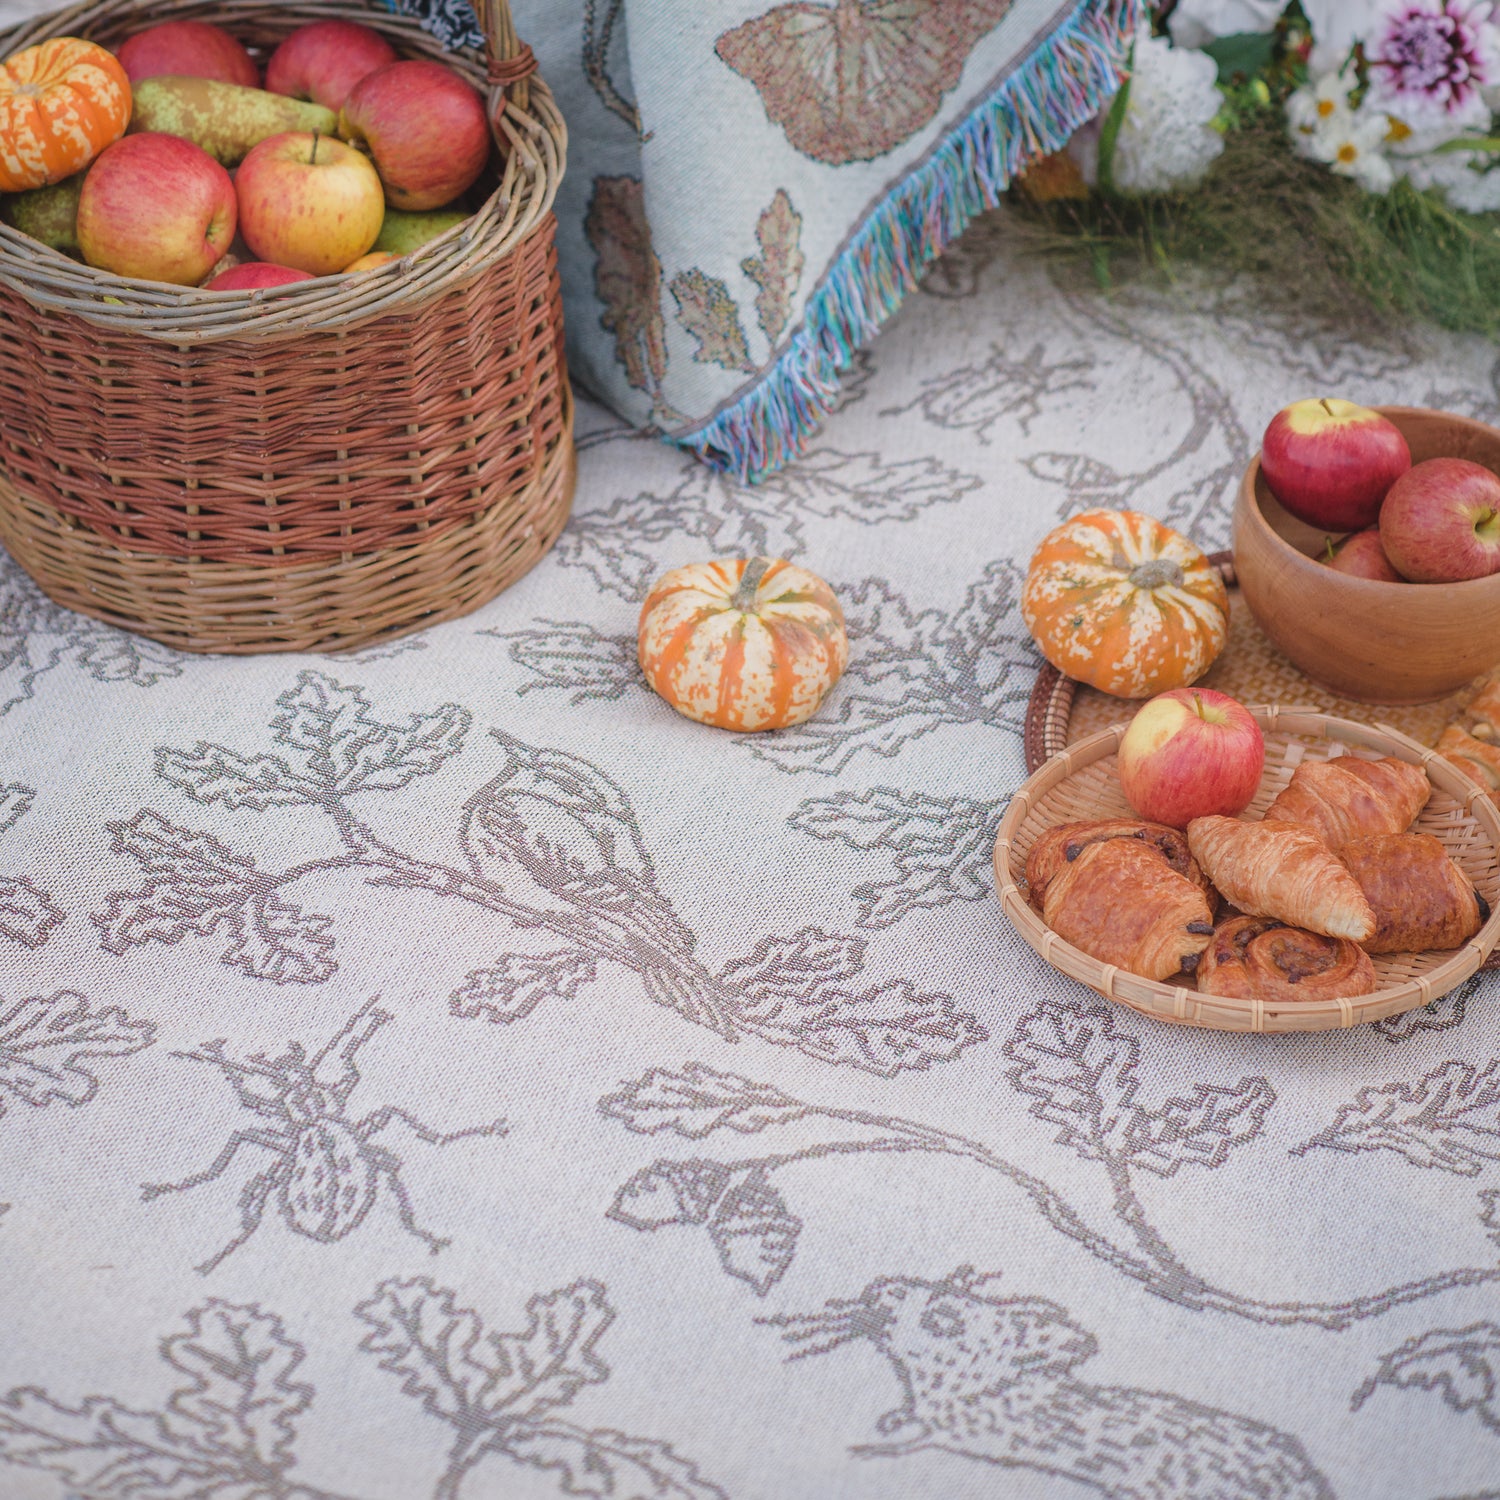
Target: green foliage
{"x": 1243, "y": 56}
{"x": 1317, "y": 241}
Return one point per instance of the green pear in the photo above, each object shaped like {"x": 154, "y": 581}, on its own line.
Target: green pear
{"x": 402, "y": 232}
{"x": 48, "y": 214}
{"x": 224, "y": 118}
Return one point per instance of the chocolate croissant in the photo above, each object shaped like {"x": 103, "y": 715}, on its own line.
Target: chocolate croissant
{"x": 1349, "y": 798}
{"x": 1281, "y": 870}
{"x": 1259, "y": 958}
{"x": 1063, "y": 844}
{"x": 1122, "y": 903}
{"x": 1420, "y": 898}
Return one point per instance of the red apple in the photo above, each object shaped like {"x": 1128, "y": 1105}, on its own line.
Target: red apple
{"x": 323, "y": 61}
{"x": 253, "y": 274}
{"x": 1331, "y": 462}
{"x": 188, "y": 49}
{"x": 1190, "y": 753}
{"x": 426, "y": 128}
{"x": 157, "y": 207}
{"x": 1360, "y": 555}
{"x": 308, "y": 201}
{"x": 1441, "y": 522}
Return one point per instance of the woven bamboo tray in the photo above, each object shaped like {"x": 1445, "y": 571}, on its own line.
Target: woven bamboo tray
{"x": 1081, "y": 782}
{"x": 312, "y": 468}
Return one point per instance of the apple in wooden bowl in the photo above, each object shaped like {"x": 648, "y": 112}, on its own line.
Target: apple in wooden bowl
{"x": 1363, "y": 638}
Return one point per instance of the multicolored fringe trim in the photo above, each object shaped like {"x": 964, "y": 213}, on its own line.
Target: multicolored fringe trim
{"x": 1062, "y": 85}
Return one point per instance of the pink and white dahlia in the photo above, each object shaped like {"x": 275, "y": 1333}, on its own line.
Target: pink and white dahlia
{"x": 1430, "y": 60}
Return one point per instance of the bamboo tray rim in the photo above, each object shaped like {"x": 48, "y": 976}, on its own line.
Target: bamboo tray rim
{"x": 1219, "y": 1012}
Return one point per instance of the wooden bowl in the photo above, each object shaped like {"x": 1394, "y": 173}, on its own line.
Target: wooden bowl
{"x": 1362, "y": 639}
{"x": 1081, "y": 782}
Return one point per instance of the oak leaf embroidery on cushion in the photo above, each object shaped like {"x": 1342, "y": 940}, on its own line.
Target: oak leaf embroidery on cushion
{"x": 777, "y": 270}
{"x": 628, "y": 281}
{"x": 709, "y": 313}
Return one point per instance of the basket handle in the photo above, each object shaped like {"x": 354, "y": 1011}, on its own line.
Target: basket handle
{"x": 511, "y": 61}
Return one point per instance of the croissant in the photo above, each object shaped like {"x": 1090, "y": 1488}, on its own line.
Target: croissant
{"x": 1420, "y": 898}
{"x": 1477, "y": 759}
{"x": 1281, "y": 870}
{"x": 1122, "y": 903}
{"x": 1259, "y": 958}
{"x": 1484, "y": 709}
{"x": 1348, "y": 798}
{"x": 1063, "y": 844}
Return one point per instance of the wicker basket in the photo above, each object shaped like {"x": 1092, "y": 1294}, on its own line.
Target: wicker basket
{"x": 312, "y": 468}
{"x": 1081, "y": 782}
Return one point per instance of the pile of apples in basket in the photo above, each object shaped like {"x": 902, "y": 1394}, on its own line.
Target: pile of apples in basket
{"x": 164, "y": 160}
{"x": 1291, "y": 905}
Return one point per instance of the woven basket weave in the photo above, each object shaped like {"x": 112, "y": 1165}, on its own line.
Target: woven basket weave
{"x": 1081, "y": 782}
{"x": 312, "y": 468}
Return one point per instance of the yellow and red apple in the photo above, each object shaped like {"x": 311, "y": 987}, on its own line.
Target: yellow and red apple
{"x": 1191, "y": 753}
{"x": 187, "y": 49}
{"x": 426, "y": 128}
{"x": 308, "y": 201}
{"x": 1330, "y": 462}
{"x": 1360, "y": 555}
{"x": 373, "y": 261}
{"x": 1441, "y": 522}
{"x": 253, "y": 275}
{"x": 156, "y": 207}
{"x": 324, "y": 60}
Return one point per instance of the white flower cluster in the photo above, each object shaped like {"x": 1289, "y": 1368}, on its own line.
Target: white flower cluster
{"x": 1166, "y": 138}
{"x": 1430, "y": 76}
{"x": 1328, "y": 128}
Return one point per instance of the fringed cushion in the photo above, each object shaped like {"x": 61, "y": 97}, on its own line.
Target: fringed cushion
{"x": 753, "y": 188}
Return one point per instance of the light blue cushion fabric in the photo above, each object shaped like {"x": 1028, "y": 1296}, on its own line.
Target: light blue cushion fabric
{"x": 752, "y": 189}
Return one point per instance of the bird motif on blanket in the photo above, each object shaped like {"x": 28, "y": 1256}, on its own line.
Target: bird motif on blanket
{"x": 851, "y": 80}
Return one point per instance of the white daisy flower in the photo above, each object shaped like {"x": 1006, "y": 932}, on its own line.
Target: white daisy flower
{"x": 1353, "y": 146}
{"x": 1317, "y": 107}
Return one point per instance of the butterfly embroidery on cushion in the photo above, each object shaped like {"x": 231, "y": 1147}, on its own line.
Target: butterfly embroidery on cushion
{"x": 851, "y": 80}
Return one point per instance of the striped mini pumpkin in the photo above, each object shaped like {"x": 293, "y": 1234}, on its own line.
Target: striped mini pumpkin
{"x": 1125, "y": 604}
{"x": 61, "y": 103}
{"x": 743, "y": 643}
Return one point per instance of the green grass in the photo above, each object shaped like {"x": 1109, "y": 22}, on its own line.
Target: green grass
{"x": 1318, "y": 241}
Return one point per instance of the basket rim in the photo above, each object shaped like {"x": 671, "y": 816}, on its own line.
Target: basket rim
{"x": 1171, "y": 1003}
{"x": 528, "y": 119}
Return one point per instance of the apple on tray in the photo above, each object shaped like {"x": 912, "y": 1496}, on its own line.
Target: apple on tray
{"x": 426, "y": 128}
{"x": 308, "y": 201}
{"x": 1441, "y": 522}
{"x": 324, "y": 60}
{"x": 189, "y": 49}
{"x": 1191, "y": 753}
{"x": 1360, "y": 555}
{"x": 156, "y": 207}
{"x": 1330, "y": 462}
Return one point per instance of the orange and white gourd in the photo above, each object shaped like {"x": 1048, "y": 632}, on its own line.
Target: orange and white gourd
{"x": 743, "y": 643}
{"x": 61, "y": 103}
{"x": 1125, "y": 604}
